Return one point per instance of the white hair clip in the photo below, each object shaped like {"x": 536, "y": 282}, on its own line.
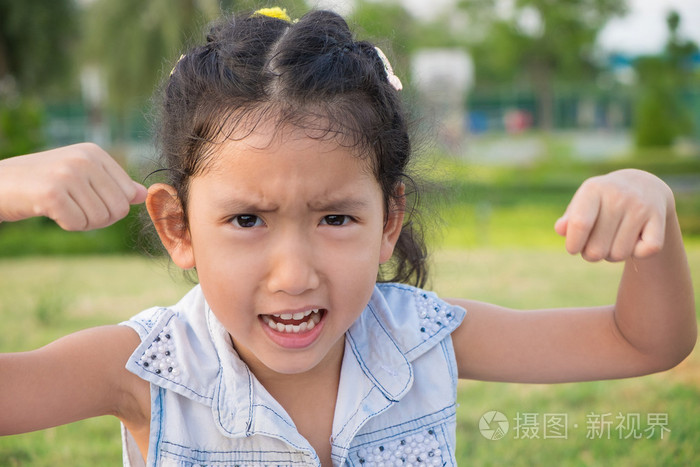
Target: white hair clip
{"x": 390, "y": 76}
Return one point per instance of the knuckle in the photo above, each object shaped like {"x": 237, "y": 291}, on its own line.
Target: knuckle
{"x": 620, "y": 202}
{"x": 71, "y": 223}
{"x": 580, "y": 223}
{"x": 591, "y": 183}
{"x": 571, "y": 249}
{"x": 616, "y": 256}
{"x": 80, "y": 160}
{"x": 129, "y": 192}
{"x": 121, "y": 210}
{"x": 49, "y": 193}
{"x": 593, "y": 254}
{"x": 97, "y": 219}
{"x": 653, "y": 247}
{"x": 88, "y": 149}
{"x": 102, "y": 217}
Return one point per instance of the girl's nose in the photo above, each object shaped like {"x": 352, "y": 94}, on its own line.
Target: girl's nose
{"x": 292, "y": 269}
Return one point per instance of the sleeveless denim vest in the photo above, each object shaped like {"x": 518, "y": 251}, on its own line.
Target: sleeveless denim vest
{"x": 396, "y": 397}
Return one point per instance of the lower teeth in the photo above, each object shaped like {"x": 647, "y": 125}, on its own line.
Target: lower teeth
{"x": 291, "y": 328}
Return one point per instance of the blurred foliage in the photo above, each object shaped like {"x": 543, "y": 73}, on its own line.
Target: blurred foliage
{"x": 41, "y": 236}
{"x": 136, "y": 43}
{"x": 35, "y": 63}
{"x": 36, "y": 41}
{"x": 387, "y": 24}
{"x": 661, "y": 116}
{"x": 540, "y": 43}
{"x": 21, "y": 126}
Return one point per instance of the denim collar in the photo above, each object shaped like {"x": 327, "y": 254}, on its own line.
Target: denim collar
{"x": 239, "y": 398}
{"x": 376, "y": 373}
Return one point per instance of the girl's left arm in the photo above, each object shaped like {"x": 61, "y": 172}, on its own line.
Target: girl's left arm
{"x": 630, "y": 216}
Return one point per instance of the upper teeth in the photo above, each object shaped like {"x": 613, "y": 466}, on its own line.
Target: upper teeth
{"x": 299, "y": 315}
{"x": 307, "y": 325}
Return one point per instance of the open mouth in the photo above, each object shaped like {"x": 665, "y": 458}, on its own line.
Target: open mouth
{"x": 294, "y": 323}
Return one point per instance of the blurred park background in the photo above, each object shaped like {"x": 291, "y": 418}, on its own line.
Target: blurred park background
{"x": 518, "y": 101}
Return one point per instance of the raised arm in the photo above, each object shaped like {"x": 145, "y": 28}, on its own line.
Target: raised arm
{"x": 82, "y": 375}
{"x": 628, "y": 215}
{"x": 80, "y": 187}
{"x": 78, "y": 376}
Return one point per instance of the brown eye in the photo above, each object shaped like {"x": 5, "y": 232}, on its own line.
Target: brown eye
{"x": 247, "y": 221}
{"x": 336, "y": 219}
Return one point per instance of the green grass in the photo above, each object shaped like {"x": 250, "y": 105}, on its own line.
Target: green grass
{"x": 545, "y": 278}
{"x": 93, "y": 290}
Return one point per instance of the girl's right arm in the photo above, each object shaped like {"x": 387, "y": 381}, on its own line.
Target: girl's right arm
{"x": 80, "y": 187}
{"x": 79, "y": 376}
{"x": 82, "y": 375}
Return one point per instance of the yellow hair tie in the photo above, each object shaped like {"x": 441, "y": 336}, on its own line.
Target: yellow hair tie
{"x": 274, "y": 12}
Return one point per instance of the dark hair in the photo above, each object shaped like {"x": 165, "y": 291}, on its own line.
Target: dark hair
{"x": 311, "y": 73}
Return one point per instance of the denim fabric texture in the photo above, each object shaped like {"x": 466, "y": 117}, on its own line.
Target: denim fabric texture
{"x": 396, "y": 398}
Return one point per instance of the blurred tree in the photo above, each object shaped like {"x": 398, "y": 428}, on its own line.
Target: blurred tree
{"x": 135, "y": 43}
{"x": 35, "y": 62}
{"x": 660, "y": 115}
{"x": 388, "y": 25}
{"x": 34, "y": 45}
{"x": 542, "y": 41}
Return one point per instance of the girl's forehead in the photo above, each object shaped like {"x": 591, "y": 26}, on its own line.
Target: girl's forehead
{"x": 273, "y": 139}
{"x": 274, "y": 168}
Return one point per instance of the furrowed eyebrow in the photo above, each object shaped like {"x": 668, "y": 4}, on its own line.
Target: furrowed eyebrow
{"x": 340, "y": 206}
{"x": 242, "y": 206}
{"x": 321, "y": 205}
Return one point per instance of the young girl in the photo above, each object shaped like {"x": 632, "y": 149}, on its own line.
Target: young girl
{"x": 286, "y": 150}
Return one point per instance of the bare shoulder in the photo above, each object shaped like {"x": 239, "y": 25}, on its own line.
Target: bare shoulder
{"x": 90, "y": 363}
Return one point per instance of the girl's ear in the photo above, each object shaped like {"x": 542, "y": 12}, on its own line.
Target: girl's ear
{"x": 393, "y": 224}
{"x": 165, "y": 210}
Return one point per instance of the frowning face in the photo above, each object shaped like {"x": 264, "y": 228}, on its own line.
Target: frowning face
{"x": 287, "y": 233}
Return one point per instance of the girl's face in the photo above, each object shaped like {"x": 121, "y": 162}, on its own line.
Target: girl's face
{"x": 287, "y": 234}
